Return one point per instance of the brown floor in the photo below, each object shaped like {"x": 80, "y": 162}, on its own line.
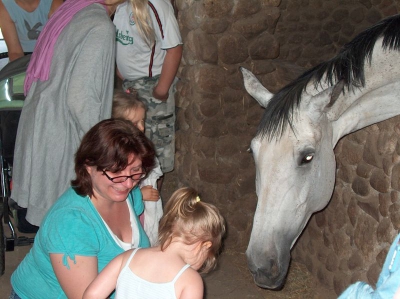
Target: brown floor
{"x": 231, "y": 280}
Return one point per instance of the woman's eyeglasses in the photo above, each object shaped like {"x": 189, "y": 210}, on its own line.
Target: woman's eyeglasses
{"x": 120, "y": 179}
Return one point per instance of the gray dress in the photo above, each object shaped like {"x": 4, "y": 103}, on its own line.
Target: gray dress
{"x": 59, "y": 111}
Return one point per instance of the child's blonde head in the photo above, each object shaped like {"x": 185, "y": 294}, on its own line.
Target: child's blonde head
{"x": 124, "y": 102}
{"x": 192, "y": 220}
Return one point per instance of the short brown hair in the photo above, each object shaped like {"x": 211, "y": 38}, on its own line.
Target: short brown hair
{"x": 124, "y": 102}
{"x": 186, "y": 217}
{"x": 108, "y": 145}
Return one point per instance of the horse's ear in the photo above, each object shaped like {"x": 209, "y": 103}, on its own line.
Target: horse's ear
{"x": 338, "y": 106}
{"x": 255, "y": 88}
{"x": 337, "y": 90}
{"x": 324, "y": 101}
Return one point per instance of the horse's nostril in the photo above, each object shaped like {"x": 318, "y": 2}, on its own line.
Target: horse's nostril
{"x": 274, "y": 268}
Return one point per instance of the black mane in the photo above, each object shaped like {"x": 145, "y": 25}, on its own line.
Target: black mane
{"x": 348, "y": 66}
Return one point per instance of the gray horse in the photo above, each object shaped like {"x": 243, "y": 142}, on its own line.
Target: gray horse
{"x": 293, "y": 147}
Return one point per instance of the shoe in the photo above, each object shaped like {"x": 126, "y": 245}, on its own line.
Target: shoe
{"x": 18, "y": 214}
{"x": 23, "y": 225}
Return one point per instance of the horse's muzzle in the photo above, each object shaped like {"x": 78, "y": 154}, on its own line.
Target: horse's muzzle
{"x": 271, "y": 275}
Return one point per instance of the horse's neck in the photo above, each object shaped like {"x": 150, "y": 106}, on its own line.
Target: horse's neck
{"x": 377, "y": 101}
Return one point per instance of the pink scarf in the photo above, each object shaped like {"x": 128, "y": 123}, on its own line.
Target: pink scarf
{"x": 39, "y": 65}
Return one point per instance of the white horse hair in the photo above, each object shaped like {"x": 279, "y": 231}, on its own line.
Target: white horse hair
{"x": 293, "y": 147}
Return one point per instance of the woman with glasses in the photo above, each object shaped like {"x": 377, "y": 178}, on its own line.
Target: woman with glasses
{"x": 94, "y": 220}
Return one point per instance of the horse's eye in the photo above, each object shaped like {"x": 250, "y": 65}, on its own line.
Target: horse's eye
{"x": 249, "y": 150}
{"x": 307, "y": 158}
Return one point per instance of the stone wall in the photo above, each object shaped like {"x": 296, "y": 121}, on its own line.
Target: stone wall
{"x": 216, "y": 119}
{"x": 312, "y": 31}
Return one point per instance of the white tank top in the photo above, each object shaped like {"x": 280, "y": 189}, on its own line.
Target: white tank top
{"x": 129, "y": 285}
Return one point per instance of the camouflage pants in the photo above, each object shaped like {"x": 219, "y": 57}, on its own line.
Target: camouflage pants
{"x": 160, "y": 119}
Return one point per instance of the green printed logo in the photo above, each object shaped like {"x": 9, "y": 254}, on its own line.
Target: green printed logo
{"x": 124, "y": 39}
{"x": 131, "y": 19}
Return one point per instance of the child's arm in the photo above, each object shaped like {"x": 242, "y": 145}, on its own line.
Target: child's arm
{"x": 169, "y": 69}
{"x": 10, "y": 34}
{"x": 149, "y": 193}
{"x": 105, "y": 282}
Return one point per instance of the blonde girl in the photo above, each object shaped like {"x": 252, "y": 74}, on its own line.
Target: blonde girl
{"x": 190, "y": 238}
{"x": 127, "y": 106}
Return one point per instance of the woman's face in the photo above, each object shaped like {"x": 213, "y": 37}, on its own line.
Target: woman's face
{"x": 108, "y": 191}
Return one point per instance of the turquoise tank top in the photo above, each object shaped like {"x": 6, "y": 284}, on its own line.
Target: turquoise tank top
{"x": 28, "y": 24}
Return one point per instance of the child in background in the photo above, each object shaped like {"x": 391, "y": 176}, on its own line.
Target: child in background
{"x": 128, "y": 107}
{"x": 148, "y": 54}
{"x": 21, "y": 23}
{"x": 388, "y": 285}
{"x": 190, "y": 239}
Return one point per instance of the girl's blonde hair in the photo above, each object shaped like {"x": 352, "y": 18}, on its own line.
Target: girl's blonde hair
{"x": 143, "y": 21}
{"x": 124, "y": 102}
{"x": 192, "y": 220}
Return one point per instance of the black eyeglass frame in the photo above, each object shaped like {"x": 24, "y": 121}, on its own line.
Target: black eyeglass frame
{"x": 142, "y": 175}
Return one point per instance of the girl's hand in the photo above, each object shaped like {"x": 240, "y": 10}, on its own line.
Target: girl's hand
{"x": 149, "y": 193}
{"x": 160, "y": 95}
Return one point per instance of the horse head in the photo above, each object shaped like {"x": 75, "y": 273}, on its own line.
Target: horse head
{"x": 295, "y": 174}
{"x": 293, "y": 147}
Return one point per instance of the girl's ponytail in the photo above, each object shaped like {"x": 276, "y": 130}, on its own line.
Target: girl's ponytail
{"x": 188, "y": 218}
{"x": 143, "y": 21}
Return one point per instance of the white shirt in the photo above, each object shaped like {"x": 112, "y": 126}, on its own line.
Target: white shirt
{"x": 134, "y": 57}
{"x": 135, "y": 232}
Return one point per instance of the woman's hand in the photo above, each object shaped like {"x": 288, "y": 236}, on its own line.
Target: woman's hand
{"x": 149, "y": 193}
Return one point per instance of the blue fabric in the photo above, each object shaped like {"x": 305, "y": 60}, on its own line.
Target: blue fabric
{"x": 388, "y": 282}
{"x": 71, "y": 227}
{"x": 13, "y": 295}
{"x": 28, "y": 24}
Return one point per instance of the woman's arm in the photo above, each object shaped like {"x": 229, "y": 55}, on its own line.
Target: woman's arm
{"x": 169, "y": 69}
{"x": 10, "y": 34}
{"x": 106, "y": 281}
{"x": 54, "y": 5}
{"x": 75, "y": 279}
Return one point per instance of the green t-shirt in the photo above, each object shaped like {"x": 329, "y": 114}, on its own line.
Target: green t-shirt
{"x": 71, "y": 227}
